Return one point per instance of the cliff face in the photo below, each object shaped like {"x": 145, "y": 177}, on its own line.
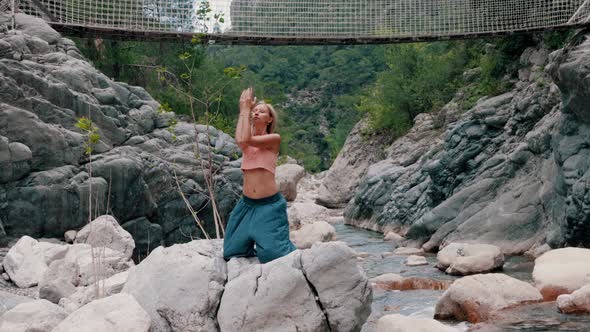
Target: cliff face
{"x": 45, "y": 87}
{"x": 512, "y": 171}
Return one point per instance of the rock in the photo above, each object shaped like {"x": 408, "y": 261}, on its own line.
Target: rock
{"x": 269, "y": 286}
{"x": 105, "y": 231}
{"x": 477, "y": 298}
{"x": 328, "y": 264}
{"x": 25, "y": 263}
{"x": 38, "y": 315}
{"x": 52, "y": 251}
{"x": 536, "y": 252}
{"x": 120, "y": 312}
{"x": 238, "y": 265}
{"x": 85, "y": 295}
{"x": 70, "y": 236}
{"x": 406, "y": 251}
{"x": 307, "y": 279}
{"x": 392, "y": 236}
{"x": 59, "y": 280}
{"x": 392, "y": 281}
{"x": 561, "y": 271}
{"x": 309, "y": 234}
{"x": 576, "y": 302}
{"x": 465, "y": 259}
{"x": 106, "y": 262}
{"x": 9, "y": 301}
{"x": 36, "y": 27}
{"x": 305, "y": 213}
{"x": 190, "y": 300}
{"x": 44, "y": 189}
{"x": 5, "y": 276}
{"x": 401, "y": 323}
{"x": 351, "y": 164}
{"x": 416, "y": 261}
{"x": 287, "y": 176}
{"x": 146, "y": 235}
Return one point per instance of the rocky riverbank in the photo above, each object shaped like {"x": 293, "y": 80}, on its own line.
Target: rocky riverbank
{"x": 512, "y": 171}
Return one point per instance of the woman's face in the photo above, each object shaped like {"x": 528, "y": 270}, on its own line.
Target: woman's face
{"x": 261, "y": 115}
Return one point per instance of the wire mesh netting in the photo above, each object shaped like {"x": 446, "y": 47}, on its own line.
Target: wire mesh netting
{"x": 317, "y": 19}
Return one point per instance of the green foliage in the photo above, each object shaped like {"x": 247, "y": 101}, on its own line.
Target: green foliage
{"x": 86, "y": 125}
{"x": 557, "y": 39}
{"x": 420, "y": 78}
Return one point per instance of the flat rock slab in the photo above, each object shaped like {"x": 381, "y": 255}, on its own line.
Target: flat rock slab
{"x": 477, "y": 298}
{"x": 465, "y": 259}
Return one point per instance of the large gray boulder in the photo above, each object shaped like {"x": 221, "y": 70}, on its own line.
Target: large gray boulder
{"x": 25, "y": 263}
{"x": 283, "y": 300}
{"x": 119, "y": 312}
{"x": 38, "y": 315}
{"x": 301, "y": 291}
{"x": 188, "y": 301}
{"x": 331, "y": 268}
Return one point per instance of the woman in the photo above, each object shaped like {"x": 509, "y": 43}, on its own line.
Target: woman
{"x": 258, "y": 224}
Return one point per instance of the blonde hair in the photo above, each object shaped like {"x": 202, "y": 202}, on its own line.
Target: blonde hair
{"x": 270, "y": 128}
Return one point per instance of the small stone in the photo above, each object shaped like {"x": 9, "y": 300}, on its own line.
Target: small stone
{"x": 416, "y": 261}
{"x": 5, "y": 276}
{"x": 70, "y": 236}
{"x": 405, "y": 251}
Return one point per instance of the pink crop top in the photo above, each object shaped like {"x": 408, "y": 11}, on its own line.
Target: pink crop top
{"x": 254, "y": 157}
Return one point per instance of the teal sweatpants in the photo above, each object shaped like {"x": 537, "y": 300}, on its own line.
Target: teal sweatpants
{"x": 258, "y": 221}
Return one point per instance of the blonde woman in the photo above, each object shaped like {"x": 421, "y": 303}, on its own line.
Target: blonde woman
{"x": 258, "y": 224}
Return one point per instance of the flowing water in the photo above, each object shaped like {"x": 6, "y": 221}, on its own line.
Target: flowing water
{"x": 421, "y": 303}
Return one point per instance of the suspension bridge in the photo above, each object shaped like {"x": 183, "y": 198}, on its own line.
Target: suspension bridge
{"x": 292, "y": 22}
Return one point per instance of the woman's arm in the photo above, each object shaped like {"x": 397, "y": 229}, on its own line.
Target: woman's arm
{"x": 268, "y": 141}
{"x": 243, "y": 130}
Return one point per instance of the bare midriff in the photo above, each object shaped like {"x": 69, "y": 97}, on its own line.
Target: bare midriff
{"x": 259, "y": 183}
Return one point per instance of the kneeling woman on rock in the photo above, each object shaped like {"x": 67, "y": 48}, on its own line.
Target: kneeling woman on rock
{"x": 260, "y": 217}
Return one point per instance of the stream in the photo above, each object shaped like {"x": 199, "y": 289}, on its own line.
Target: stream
{"x": 421, "y": 303}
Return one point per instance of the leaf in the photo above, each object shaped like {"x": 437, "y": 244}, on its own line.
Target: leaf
{"x": 221, "y": 20}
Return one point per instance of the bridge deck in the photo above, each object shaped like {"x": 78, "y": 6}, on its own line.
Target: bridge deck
{"x": 227, "y": 39}
{"x": 304, "y": 22}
